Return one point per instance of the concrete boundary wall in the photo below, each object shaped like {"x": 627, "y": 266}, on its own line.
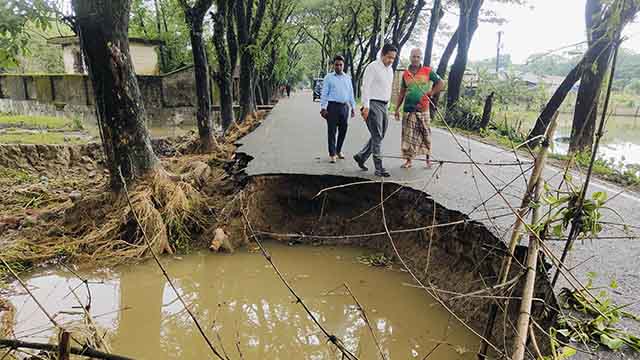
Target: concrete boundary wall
{"x": 169, "y": 99}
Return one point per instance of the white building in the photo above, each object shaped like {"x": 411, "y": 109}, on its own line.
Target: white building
{"x": 144, "y": 54}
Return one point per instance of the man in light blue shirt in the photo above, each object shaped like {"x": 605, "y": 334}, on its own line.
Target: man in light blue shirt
{"x": 337, "y": 97}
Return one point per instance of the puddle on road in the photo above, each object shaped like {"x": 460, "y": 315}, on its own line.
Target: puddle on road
{"x": 240, "y": 296}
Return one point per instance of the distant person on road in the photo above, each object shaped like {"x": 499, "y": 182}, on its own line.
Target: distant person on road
{"x": 377, "y": 82}
{"x": 415, "y": 91}
{"x": 335, "y": 102}
{"x": 288, "y": 88}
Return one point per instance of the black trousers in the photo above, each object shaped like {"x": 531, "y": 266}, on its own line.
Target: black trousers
{"x": 337, "y": 119}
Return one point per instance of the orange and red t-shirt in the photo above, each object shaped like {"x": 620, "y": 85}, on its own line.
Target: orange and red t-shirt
{"x": 417, "y": 86}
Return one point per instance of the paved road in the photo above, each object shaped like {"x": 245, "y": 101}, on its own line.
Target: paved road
{"x": 292, "y": 140}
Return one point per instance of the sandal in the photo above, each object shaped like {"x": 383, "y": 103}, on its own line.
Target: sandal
{"x": 406, "y": 165}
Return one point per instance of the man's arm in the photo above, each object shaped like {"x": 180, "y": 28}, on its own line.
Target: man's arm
{"x": 324, "y": 96}
{"x": 367, "y": 79}
{"x": 403, "y": 93}
{"x": 352, "y": 100}
{"x": 437, "y": 87}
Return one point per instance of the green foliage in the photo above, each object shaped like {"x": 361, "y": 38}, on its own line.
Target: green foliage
{"x": 563, "y": 208}
{"x": 16, "y": 16}
{"x": 598, "y": 320}
{"x": 625, "y": 174}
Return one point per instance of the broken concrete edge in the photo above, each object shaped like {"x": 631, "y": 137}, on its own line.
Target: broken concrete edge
{"x": 477, "y": 244}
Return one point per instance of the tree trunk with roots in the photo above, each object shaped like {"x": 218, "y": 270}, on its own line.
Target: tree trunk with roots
{"x": 103, "y": 29}
{"x": 194, "y": 17}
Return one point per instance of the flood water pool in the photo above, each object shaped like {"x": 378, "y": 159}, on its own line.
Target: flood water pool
{"x": 239, "y": 297}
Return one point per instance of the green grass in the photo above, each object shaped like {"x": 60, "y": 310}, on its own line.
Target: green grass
{"x": 37, "y": 122}
{"x": 625, "y": 175}
{"x": 38, "y": 138}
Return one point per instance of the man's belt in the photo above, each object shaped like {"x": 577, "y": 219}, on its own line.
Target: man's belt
{"x": 338, "y": 103}
{"x": 380, "y": 101}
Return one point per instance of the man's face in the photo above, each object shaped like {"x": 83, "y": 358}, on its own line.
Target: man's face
{"x": 416, "y": 58}
{"x": 389, "y": 58}
{"x": 338, "y": 66}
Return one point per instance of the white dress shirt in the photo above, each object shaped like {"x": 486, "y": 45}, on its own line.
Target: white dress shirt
{"x": 377, "y": 83}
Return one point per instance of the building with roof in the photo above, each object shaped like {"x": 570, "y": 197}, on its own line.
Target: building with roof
{"x": 144, "y": 55}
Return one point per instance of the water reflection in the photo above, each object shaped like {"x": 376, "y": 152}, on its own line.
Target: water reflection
{"x": 239, "y": 298}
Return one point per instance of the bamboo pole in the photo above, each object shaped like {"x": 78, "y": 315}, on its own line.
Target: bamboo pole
{"x": 515, "y": 236}
{"x": 524, "y": 206}
{"x": 522, "y": 326}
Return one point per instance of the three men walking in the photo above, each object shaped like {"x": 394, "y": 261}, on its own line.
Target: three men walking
{"x": 377, "y": 82}
{"x": 336, "y": 100}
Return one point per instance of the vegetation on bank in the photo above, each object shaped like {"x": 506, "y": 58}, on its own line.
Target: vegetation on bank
{"x": 39, "y": 122}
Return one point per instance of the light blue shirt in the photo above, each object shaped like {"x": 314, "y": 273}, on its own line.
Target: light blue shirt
{"x": 337, "y": 88}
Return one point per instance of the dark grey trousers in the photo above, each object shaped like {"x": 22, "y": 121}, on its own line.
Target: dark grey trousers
{"x": 377, "y": 123}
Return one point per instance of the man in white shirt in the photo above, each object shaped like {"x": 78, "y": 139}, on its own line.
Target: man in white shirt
{"x": 377, "y": 83}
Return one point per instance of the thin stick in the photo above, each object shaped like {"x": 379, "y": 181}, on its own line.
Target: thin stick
{"x": 366, "y": 320}
{"x": 164, "y": 272}
{"x": 453, "y": 162}
{"x": 84, "y": 351}
{"x": 534, "y": 342}
{"x": 332, "y": 338}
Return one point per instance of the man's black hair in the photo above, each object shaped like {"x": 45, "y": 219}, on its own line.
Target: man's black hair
{"x": 338, "y": 57}
{"x": 387, "y": 48}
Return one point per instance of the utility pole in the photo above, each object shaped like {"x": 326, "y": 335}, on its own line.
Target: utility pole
{"x": 498, "y": 51}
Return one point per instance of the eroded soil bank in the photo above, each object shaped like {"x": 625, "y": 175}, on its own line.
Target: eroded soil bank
{"x": 456, "y": 258}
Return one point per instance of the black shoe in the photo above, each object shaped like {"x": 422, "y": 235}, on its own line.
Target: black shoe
{"x": 382, "y": 173}
{"x": 360, "y": 163}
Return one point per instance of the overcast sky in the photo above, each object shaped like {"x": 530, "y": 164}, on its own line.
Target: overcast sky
{"x": 541, "y": 26}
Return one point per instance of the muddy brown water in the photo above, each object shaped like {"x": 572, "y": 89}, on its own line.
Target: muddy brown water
{"x": 240, "y": 297}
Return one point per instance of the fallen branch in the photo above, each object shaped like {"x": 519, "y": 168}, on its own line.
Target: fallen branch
{"x": 84, "y": 351}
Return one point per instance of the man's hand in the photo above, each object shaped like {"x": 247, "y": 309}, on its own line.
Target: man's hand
{"x": 397, "y": 114}
{"x": 353, "y": 112}
{"x": 324, "y": 113}
{"x": 364, "y": 111}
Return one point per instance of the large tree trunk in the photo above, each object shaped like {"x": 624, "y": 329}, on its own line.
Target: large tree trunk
{"x": 248, "y": 105}
{"x": 225, "y": 68}
{"x": 203, "y": 89}
{"x": 443, "y": 65}
{"x": 561, "y": 92}
{"x": 436, "y": 15}
{"x": 618, "y": 17}
{"x": 248, "y": 27}
{"x": 469, "y": 12}
{"x": 584, "y": 118}
{"x": 103, "y": 30}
